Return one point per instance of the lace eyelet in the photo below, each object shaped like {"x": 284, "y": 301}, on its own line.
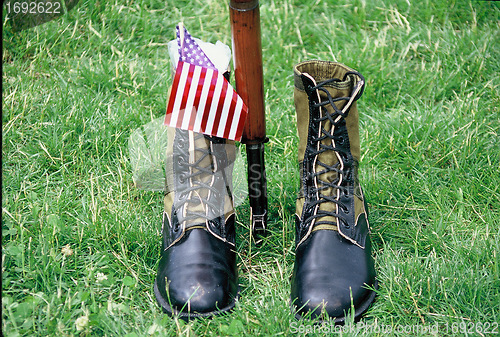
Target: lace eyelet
{"x": 182, "y": 178}
{"x": 345, "y": 224}
{"x": 344, "y": 157}
{"x": 181, "y": 195}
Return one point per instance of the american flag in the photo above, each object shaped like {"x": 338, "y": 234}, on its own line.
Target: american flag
{"x": 201, "y": 98}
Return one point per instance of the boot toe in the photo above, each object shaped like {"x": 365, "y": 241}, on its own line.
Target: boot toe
{"x": 199, "y": 288}
{"x": 333, "y": 297}
{"x": 197, "y": 284}
{"x": 332, "y": 275}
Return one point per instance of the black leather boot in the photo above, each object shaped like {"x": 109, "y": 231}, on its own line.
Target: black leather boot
{"x": 197, "y": 273}
{"x": 333, "y": 263}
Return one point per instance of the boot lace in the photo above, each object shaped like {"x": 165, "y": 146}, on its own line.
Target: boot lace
{"x": 341, "y": 147}
{"x": 205, "y": 190}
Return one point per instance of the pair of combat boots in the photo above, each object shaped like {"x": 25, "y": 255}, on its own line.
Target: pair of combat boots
{"x": 334, "y": 269}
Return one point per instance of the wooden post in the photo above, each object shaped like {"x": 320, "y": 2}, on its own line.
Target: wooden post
{"x": 247, "y": 51}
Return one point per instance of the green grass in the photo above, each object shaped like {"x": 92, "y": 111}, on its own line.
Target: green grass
{"x": 75, "y": 88}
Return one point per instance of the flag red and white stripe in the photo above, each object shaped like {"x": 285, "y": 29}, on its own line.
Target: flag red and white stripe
{"x": 203, "y": 101}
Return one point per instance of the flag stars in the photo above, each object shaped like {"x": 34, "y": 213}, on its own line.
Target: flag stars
{"x": 191, "y": 52}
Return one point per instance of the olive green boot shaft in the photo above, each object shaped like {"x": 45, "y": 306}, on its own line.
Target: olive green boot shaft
{"x": 343, "y": 87}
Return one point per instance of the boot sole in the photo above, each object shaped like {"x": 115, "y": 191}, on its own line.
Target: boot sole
{"x": 358, "y": 312}
{"x": 187, "y": 316}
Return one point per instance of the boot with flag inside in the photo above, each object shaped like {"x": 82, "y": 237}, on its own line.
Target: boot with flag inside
{"x": 197, "y": 274}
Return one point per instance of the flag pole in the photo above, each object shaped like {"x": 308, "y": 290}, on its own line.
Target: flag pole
{"x": 247, "y": 51}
